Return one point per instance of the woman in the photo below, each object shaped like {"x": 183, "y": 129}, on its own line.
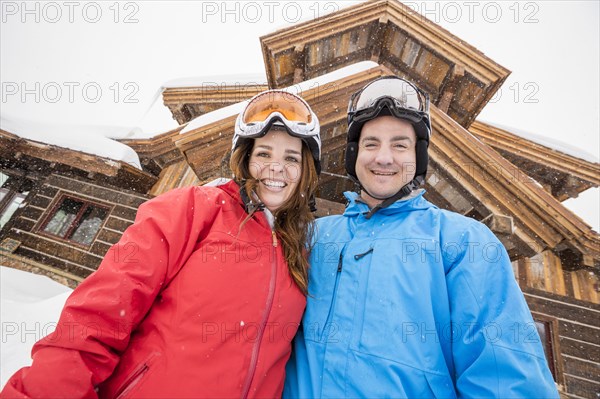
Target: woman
{"x": 203, "y": 294}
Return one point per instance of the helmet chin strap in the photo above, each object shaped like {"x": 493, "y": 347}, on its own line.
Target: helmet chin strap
{"x": 403, "y": 192}
{"x": 249, "y": 204}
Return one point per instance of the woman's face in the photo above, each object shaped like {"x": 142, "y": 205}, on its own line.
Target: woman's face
{"x": 276, "y": 162}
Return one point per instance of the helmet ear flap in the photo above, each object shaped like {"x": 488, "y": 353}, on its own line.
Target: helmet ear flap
{"x": 422, "y": 157}
{"x": 351, "y": 155}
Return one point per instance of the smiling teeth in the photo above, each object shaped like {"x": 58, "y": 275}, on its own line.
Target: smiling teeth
{"x": 384, "y": 174}
{"x": 272, "y": 183}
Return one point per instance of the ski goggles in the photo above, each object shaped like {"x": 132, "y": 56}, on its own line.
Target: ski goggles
{"x": 267, "y": 108}
{"x": 403, "y": 99}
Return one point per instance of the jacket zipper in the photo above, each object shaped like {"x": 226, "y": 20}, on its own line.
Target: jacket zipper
{"x": 334, "y": 297}
{"x": 270, "y": 297}
{"x": 360, "y": 256}
{"x": 274, "y": 238}
{"x": 132, "y": 381}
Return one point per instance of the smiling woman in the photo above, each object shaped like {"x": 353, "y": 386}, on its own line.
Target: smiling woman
{"x": 276, "y": 162}
{"x": 200, "y": 275}
{"x": 276, "y": 155}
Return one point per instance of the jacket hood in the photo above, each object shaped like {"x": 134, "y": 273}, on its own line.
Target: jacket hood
{"x": 415, "y": 201}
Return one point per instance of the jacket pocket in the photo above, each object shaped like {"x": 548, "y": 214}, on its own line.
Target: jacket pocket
{"x": 134, "y": 378}
{"x": 370, "y": 376}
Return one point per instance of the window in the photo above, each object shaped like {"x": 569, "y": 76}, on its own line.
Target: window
{"x": 12, "y": 194}
{"x": 543, "y": 328}
{"x": 547, "y": 328}
{"x": 76, "y": 220}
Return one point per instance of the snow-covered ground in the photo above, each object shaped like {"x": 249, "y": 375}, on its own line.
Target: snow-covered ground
{"x": 30, "y": 305}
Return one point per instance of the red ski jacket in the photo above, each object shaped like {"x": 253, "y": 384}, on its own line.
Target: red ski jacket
{"x": 188, "y": 304}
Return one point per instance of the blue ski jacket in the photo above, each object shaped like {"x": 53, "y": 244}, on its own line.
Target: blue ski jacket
{"x": 415, "y": 302}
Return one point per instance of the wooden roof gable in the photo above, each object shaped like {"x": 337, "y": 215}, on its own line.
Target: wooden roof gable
{"x": 157, "y": 152}
{"x": 466, "y": 175}
{"x": 33, "y": 157}
{"x": 459, "y": 78}
{"x": 564, "y": 175}
{"x": 487, "y": 179}
{"x": 187, "y": 103}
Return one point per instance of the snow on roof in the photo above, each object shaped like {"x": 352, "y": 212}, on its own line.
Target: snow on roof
{"x": 219, "y": 181}
{"x": 218, "y": 80}
{"x": 548, "y": 142}
{"x": 30, "y": 305}
{"x": 92, "y": 140}
{"x": 234, "y": 109}
{"x": 156, "y": 120}
{"x": 210, "y": 117}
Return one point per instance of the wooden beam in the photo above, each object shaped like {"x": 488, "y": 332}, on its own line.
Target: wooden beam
{"x": 326, "y": 208}
{"x": 300, "y": 64}
{"x": 380, "y": 19}
{"x": 531, "y": 206}
{"x": 450, "y": 87}
{"x": 567, "y": 187}
{"x": 378, "y": 38}
{"x": 548, "y": 158}
{"x": 499, "y": 224}
{"x": 186, "y": 103}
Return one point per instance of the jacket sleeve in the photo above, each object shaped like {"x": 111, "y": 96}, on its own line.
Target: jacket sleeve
{"x": 98, "y": 318}
{"x": 495, "y": 345}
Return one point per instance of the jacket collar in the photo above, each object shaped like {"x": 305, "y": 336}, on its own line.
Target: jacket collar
{"x": 233, "y": 190}
{"x": 413, "y": 202}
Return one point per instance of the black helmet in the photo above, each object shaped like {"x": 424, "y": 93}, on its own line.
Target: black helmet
{"x": 390, "y": 95}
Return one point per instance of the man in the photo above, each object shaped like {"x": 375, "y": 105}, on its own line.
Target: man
{"x": 407, "y": 300}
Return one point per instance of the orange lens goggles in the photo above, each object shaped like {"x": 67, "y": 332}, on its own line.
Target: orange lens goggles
{"x": 288, "y": 105}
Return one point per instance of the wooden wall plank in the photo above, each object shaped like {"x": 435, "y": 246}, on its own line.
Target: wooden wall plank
{"x": 579, "y": 332}
{"x": 108, "y": 236}
{"x": 564, "y": 311}
{"x": 587, "y": 283}
{"x": 582, "y": 388}
{"x": 581, "y": 350}
{"x": 581, "y": 368}
{"x": 41, "y": 202}
{"x": 61, "y": 264}
{"x": 117, "y": 224}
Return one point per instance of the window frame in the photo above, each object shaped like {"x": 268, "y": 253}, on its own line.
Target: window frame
{"x": 61, "y": 197}
{"x": 8, "y": 199}
{"x": 553, "y": 344}
{"x": 14, "y": 187}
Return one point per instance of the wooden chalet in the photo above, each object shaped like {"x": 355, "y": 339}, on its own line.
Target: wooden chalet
{"x": 512, "y": 184}
{"x": 63, "y": 209}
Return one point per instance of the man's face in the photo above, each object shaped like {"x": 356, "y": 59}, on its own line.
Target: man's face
{"x": 386, "y": 157}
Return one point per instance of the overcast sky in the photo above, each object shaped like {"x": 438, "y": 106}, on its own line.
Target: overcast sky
{"x": 103, "y": 62}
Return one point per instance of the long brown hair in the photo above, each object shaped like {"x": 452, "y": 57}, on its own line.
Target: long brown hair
{"x": 294, "y": 222}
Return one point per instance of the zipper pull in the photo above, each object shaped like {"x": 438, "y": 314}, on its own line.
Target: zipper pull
{"x": 274, "y": 238}
{"x": 360, "y": 256}
{"x": 340, "y": 262}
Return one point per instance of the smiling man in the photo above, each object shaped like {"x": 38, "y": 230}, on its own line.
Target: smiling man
{"x": 386, "y": 157}
{"x": 407, "y": 300}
